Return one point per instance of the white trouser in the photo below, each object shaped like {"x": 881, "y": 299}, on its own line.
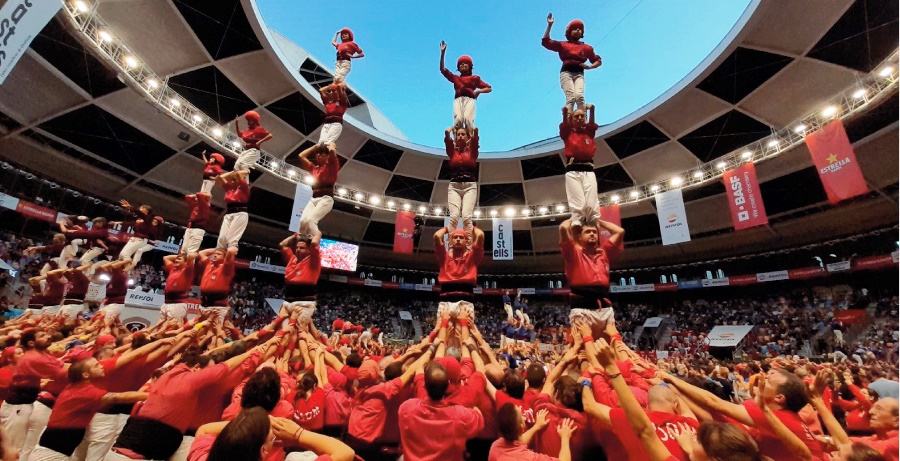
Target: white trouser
{"x": 233, "y": 227}
{"x": 207, "y": 185}
{"x": 170, "y": 311}
{"x": 307, "y": 309}
{"x": 111, "y": 311}
{"x": 113, "y": 456}
{"x": 247, "y": 160}
{"x": 181, "y": 454}
{"x": 839, "y": 336}
{"x": 581, "y": 192}
{"x": 70, "y": 312}
{"x": 596, "y": 319}
{"x": 140, "y": 252}
{"x": 45, "y": 454}
{"x": 454, "y": 308}
{"x": 464, "y": 113}
{"x": 221, "y": 313}
{"x": 839, "y": 357}
{"x": 523, "y": 317}
{"x": 509, "y": 310}
{"x": 36, "y": 425}
{"x": 301, "y": 456}
{"x": 341, "y": 69}
{"x": 100, "y": 436}
{"x": 330, "y": 133}
{"x": 68, "y": 253}
{"x": 461, "y": 199}
{"x": 89, "y": 256}
{"x": 134, "y": 244}
{"x": 15, "y": 422}
{"x": 314, "y": 211}
{"x": 50, "y": 311}
{"x": 193, "y": 237}
{"x": 572, "y": 84}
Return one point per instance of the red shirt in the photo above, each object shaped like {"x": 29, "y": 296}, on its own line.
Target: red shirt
{"x": 36, "y": 365}
{"x": 586, "y": 270}
{"x": 237, "y": 192}
{"x": 252, "y": 136}
{"x": 548, "y": 441}
{"x": 463, "y": 164}
{"x": 664, "y": 423}
{"x": 178, "y": 282}
{"x": 174, "y": 396}
{"x": 887, "y": 446}
{"x": 769, "y": 443}
{"x": 371, "y": 408}
{"x": 76, "y": 406}
{"x": 283, "y": 409}
{"x": 325, "y": 174}
{"x": 502, "y": 398}
{"x": 302, "y": 271}
{"x": 130, "y": 376}
{"x": 334, "y": 112}
{"x": 78, "y": 285}
{"x": 6, "y": 375}
{"x": 337, "y": 406}
{"x": 464, "y": 85}
{"x": 212, "y": 401}
{"x": 199, "y": 209}
{"x": 56, "y": 290}
{"x": 347, "y": 49}
{"x": 572, "y": 55}
{"x": 216, "y": 278}
{"x": 502, "y": 450}
{"x": 463, "y": 269}
{"x": 435, "y": 430}
{"x": 579, "y": 142}
{"x": 117, "y": 287}
{"x": 211, "y": 170}
{"x": 309, "y": 413}
{"x": 530, "y": 396}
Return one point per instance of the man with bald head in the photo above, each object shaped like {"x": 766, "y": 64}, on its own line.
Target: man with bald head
{"x": 458, "y": 273}
{"x": 432, "y": 429}
{"x": 883, "y": 417}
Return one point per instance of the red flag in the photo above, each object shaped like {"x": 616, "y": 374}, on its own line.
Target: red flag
{"x": 404, "y": 228}
{"x": 609, "y": 214}
{"x": 834, "y": 158}
{"x": 36, "y": 211}
{"x": 744, "y": 199}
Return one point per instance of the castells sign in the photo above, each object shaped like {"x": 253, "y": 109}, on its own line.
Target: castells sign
{"x": 20, "y": 22}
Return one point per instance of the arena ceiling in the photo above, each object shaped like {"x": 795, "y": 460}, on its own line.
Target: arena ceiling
{"x": 66, "y": 115}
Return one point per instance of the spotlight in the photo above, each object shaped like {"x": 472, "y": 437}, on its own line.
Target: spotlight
{"x": 859, "y": 93}
{"x": 291, "y": 173}
{"x": 390, "y": 204}
{"x": 342, "y": 191}
{"x": 509, "y": 212}
{"x": 308, "y": 179}
{"x": 274, "y": 164}
{"x": 477, "y": 213}
{"x": 829, "y": 111}
{"x": 104, "y": 278}
{"x": 437, "y": 210}
{"x": 235, "y": 144}
{"x": 676, "y": 181}
{"x": 130, "y": 282}
{"x": 175, "y": 102}
{"x": 526, "y": 211}
{"x": 746, "y": 155}
{"x": 800, "y": 129}
{"x": 698, "y": 174}
{"x": 104, "y": 35}
{"x": 197, "y": 118}
{"x": 153, "y": 83}
{"x": 654, "y": 188}
{"x": 886, "y": 72}
{"x": 131, "y": 62}
{"x": 81, "y": 6}
{"x": 217, "y": 132}
{"x": 358, "y": 196}
{"x": 634, "y": 194}
{"x": 773, "y": 143}
{"x": 406, "y": 206}
{"x": 374, "y": 200}
{"x": 560, "y": 208}
{"x": 721, "y": 165}
{"x": 543, "y": 210}
{"x": 493, "y": 212}
{"x": 615, "y": 198}
{"x": 422, "y": 209}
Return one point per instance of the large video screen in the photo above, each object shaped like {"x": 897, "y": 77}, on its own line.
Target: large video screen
{"x": 338, "y": 255}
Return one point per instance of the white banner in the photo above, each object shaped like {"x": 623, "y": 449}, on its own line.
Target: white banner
{"x": 673, "y": 225}
{"x": 503, "y": 239}
{"x": 8, "y": 201}
{"x": 526, "y": 291}
{"x": 275, "y": 304}
{"x": 257, "y": 266}
{"x": 421, "y": 287}
{"x": 302, "y": 196}
{"x": 138, "y": 298}
{"x": 662, "y": 354}
{"x": 727, "y": 335}
{"x": 722, "y": 282}
{"x": 839, "y": 267}
{"x": 166, "y": 246}
{"x": 405, "y": 315}
{"x": 771, "y": 276}
{"x": 895, "y": 256}
{"x": 20, "y": 22}
{"x": 631, "y": 288}
{"x": 372, "y": 283}
{"x": 652, "y": 322}
{"x": 477, "y": 290}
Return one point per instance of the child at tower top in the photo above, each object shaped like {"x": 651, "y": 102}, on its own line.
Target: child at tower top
{"x": 467, "y": 87}
{"x": 253, "y": 137}
{"x": 346, "y": 50}
{"x": 574, "y": 55}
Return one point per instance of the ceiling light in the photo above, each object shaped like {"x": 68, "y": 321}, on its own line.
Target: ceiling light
{"x": 81, "y": 6}
{"x": 342, "y": 191}
{"x": 153, "y": 83}
{"x": 274, "y": 164}
{"x": 654, "y": 188}
{"x": 391, "y": 203}
{"x": 175, "y": 102}
{"x": 291, "y": 173}
{"x": 543, "y": 210}
{"x": 698, "y": 174}
{"x": 859, "y": 93}
{"x": 437, "y": 210}
{"x": 375, "y": 200}
{"x": 217, "y": 132}
{"x": 406, "y": 206}
{"x": 131, "y": 62}
{"x": 773, "y": 143}
{"x": 477, "y": 213}
{"x": 634, "y": 194}
{"x": 493, "y": 212}
{"x": 358, "y": 196}
{"x": 308, "y": 179}
{"x": 746, "y": 155}
{"x": 615, "y": 198}
{"x": 509, "y": 212}
{"x": 829, "y": 111}
{"x": 235, "y": 144}
{"x": 104, "y": 35}
{"x": 560, "y": 208}
{"x": 676, "y": 181}
{"x": 526, "y": 211}
{"x": 422, "y": 209}
{"x": 721, "y": 165}
{"x": 800, "y": 129}
{"x": 886, "y": 72}
{"x": 197, "y": 118}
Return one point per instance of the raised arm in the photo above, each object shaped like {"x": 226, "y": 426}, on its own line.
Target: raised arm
{"x": 443, "y": 52}
{"x": 304, "y": 157}
{"x": 479, "y": 237}
{"x": 549, "y": 26}
{"x": 565, "y": 231}
{"x": 590, "y": 108}
{"x": 708, "y": 400}
{"x": 289, "y": 431}
{"x": 788, "y": 438}
{"x": 334, "y": 41}
{"x": 342, "y": 92}
{"x": 617, "y": 232}
{"x": 439, "y": 236}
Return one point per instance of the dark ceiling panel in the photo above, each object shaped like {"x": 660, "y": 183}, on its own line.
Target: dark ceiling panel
{"x": 214, "y": 94}
{"x": 521, "y": 240}
{"x": 221, "y": 26}
{"x": 380, "y": 232}
{"x": 444, "y": 174}
{"x": 501, "y": 194}
{"x": 298, "y": 112}
{"x": 62, "y": 148}
{"x": 635, "y": 139}
{"x": 8, "y": 124}
{"x": 873, "y": 119}
{"x": 792, "y": 191}
{"x": 696, "y": 193}
{"x": 542, "y": 167}
{"x": 318, "y": 77}
{"x": 377, "y": 154}
{"x": 102, "y": 134}
{"x": 723, "y": 135}
{"x": 643, "y": 227}
{"x": 348, "y": 207}
{"x": 612, "y": 177}
{"x": 65, "y": 53}
{"x": 409, "y": 188}
{"x": 270, "y": 205}
{"x": 864, "y": 36}
{"x": 741, "y": 73}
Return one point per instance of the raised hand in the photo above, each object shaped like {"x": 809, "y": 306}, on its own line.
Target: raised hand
{"x": 549, "y": 18}
{"x": 686, "y": 437}
{"x": 443, "y": 46}
{"x": 566, "y": 429}
{"x": 605, "y": 354}
{"x": 541, "y": 421}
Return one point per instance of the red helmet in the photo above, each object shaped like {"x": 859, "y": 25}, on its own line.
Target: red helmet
{"x": 252, "y": 116}
{"x": 218, "y": 158}
{"x": 349, "y": 32}
{"x": 464, "y": 59}
{"x": 574, "y": 23}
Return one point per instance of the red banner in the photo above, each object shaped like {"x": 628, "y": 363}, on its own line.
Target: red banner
{"x": 834, "y": 158}
{"x": 609, "y": 214}
{"x": 738, "y": 280}
{"x": 806, "y": 273}
{"x": 849, "y": 317}
{"x": 665, "y": 287}
{"x": 36, "y": 211}
{"x": 404, "y": 228}
{"x": 744, "y": 198}
{"x": 872, "y": 262}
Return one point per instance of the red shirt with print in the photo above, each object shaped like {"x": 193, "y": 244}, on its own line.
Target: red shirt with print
{"x": 579, "y": 141}
{"x": 309, "y": 413}
{"x": 253, "y": 136}
{"x": 464, "y": 85}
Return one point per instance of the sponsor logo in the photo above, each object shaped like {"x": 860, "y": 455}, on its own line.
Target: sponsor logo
{"x": 834, "y": 164}
{"x": 672, "y": 218}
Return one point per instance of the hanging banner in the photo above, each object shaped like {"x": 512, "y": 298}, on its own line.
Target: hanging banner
{"x": 8, "y": 201}
{"x": 744, "y": 199}
{"x": 834, "y": 159}
{"x": 404, "y": 229}
{"x": 727, "y": 335}
{"x": 36, "y": 211}
{"x": 609, "y": 214}
{"x": 503, "y": 239}
{"x": 673, "y": 224}
{"x": 302, "y": 196}
{"x": 20, "y": 22}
